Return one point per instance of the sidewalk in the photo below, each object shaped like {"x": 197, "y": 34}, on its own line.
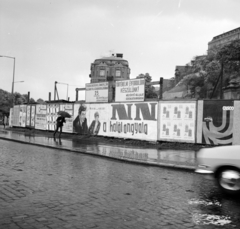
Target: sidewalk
{"x": 137, "y": 152}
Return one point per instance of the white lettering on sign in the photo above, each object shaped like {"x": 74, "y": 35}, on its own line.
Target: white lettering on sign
{"x": 230, "y": 108}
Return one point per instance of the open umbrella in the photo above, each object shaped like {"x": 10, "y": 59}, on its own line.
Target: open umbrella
{"x": 64, "y": 114}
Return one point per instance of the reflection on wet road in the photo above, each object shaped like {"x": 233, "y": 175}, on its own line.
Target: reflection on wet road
{"x": 58, "y": 189}
{"x": 177, "y": 158}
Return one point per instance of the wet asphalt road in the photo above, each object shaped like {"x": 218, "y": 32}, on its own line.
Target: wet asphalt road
{"x": 45, "y": 188}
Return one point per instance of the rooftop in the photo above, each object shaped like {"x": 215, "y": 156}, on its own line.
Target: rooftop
{"x": 227, "y": 33}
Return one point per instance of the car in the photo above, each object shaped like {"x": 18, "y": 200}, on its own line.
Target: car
{"x": 223, "y": 164}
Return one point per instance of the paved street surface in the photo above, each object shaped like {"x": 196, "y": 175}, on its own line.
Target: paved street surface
{"x": 47, "y": 188}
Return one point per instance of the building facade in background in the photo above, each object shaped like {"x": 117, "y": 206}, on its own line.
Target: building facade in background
{"x": 224, "y": 39}
{"x": 111, "y": 68}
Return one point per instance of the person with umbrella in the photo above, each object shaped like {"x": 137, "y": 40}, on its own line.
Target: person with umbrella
{"x": 60, "y": 120}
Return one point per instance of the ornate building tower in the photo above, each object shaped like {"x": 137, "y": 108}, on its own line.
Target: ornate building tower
{"x": 111, "y": 68}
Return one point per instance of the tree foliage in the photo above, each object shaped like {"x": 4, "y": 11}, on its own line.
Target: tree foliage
{"x": 229, "y": 56}
{"x": 41, "y": 101}
{"x": 150, "y": 91}
{"x": 6, "y": 100}
{"x": 203, "y": 71}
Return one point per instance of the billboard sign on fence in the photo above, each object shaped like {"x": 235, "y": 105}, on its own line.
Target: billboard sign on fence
{"x": 22, "y": 115}
{"x": 40, "y": 117}
{"x": 52, "y": 110}
{"x": 133, "y": 120}
{"x": 130, "y": 90}
{"x": 216, "y": 122}
{"x": 15, "y": 117}
{"x": 96, "y": 92}
{"x": 177, "y": 121}
{"x": 68, "y": 125}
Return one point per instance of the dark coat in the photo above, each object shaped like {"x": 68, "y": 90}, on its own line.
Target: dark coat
{"x": 60, "y": 120}
{"x": 78, "y": 128}
{"x": 91, "y": 128}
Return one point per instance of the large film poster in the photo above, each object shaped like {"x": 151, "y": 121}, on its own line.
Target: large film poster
{"x": 217, "y": 122}
{"x": 80, "y": 119}
{"x": 98, "y": 116}
{"x": 41, "y": 117}
{"x": 177, "y": 121}
{"x": 125, "y": 120}
{"x": 133, "y": 120}
{"x": 91, "y": 119}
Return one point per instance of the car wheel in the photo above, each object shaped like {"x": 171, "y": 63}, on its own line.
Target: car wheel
{"x": 229, "y": 180}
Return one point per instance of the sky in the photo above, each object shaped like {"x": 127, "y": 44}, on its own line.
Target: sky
{"x": 57, "y": 40}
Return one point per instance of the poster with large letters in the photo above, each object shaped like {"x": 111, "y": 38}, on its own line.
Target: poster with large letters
{"x": 177, "y": 121}
{"x": 217, "y": 121}
{"x": 123, "y": 120}
{"x": 133, "y": 120}
{"x": 41, "y": 117}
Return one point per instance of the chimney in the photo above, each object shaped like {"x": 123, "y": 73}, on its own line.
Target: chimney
{"x": 120, "y": 55}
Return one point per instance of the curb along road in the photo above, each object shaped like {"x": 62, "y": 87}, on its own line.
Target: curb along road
{"x": 109, "y": 155}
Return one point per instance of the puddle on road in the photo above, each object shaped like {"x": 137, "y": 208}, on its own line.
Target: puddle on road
{"x": 147, "y": 155}
{"x": 204, "y": 202}
{"x": 207, "y": 219}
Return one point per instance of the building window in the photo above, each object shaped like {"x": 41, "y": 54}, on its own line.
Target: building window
{"x": 118, "y": 73}
{"x": 102, "y": 72}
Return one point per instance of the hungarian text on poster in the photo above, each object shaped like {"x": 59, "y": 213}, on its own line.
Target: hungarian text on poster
{"x": 96, "y": 92}
{"x": 130, "y": 90}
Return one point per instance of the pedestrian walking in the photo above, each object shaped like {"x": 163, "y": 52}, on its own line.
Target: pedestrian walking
{"x": 60, "y": 120}
{"x": 5, "y": 121}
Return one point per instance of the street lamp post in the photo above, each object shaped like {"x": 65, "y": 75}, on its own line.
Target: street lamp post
{"x": 14, "y": 60}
